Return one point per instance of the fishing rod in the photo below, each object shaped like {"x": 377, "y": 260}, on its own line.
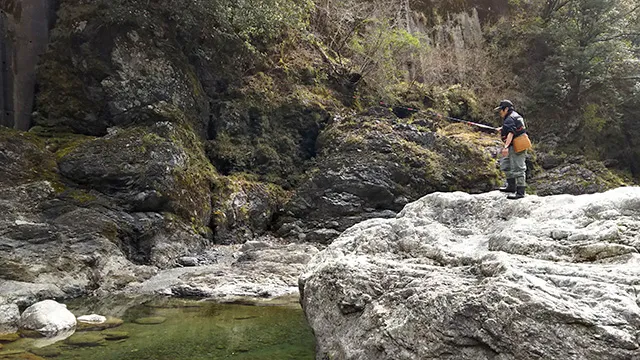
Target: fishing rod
{"x": 405, "y": 111}
{"x": 471, "y": 123}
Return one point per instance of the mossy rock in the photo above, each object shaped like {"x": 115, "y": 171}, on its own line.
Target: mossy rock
{"x": 19, "y": 355}
{"x": 160, "y": 168}
{"x": 111, "y": 322}
{"x": 244, "y": 205}
{"x": 113, "y": 335}
{"x": 30, "y": 334}
{"x": 27, "y": 159}
{"x": 47, "y": 352}
{"x": 124, "y": 63}
{"x": 85, "y": 339}
{"x": 7, "y": 338}
{"x": 373, "y": 164}
{"x": 576, "y": 176}
{"x": 274, "y": 144}
{"x": 152, "y": 320}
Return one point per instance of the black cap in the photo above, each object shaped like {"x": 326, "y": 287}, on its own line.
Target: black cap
{"x": 504, "y": 104}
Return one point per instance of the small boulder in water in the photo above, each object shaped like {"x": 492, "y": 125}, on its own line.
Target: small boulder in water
{"x": 110, "y": 322}
{"x": 92, "y": 319}
{"x": 115, "y": 335}
{"x": 86, "y": 339}
{"x": 47, "y": 317}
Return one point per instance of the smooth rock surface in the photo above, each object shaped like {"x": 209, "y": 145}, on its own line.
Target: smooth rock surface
{"x": 257, "y": 270}
{"x": 458, "y": 276}
{"x": 47, "y": 317}
{"x": 92, "y": 319}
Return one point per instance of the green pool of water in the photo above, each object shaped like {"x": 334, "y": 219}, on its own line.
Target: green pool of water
{"x": 192, "y": 330}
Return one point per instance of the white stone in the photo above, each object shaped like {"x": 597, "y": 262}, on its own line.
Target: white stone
{"x": 9, "y": 317}
{"x": 47, "y": 317}
{"x": 479, "y": 277}
{"x": 92, "y": 319}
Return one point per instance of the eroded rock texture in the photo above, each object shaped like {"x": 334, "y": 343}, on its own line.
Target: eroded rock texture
{"x": 458, "y": 276}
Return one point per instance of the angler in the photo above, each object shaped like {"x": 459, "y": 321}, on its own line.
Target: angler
{"x": 514, "y": 154}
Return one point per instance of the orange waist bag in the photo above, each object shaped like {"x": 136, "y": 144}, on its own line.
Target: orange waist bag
{"x": 521, "y": 143}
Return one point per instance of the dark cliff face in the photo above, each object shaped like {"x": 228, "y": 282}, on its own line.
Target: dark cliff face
{"x": 24, "y": 34}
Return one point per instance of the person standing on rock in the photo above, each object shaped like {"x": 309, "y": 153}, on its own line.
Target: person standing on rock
{"x": 512, "y": 163}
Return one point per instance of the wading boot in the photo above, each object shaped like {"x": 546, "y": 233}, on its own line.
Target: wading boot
{"x": 511, "y": 186}
{"x": 519, "y": 193}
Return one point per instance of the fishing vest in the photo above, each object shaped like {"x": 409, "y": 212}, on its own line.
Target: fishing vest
{"x": 513, "y": 123}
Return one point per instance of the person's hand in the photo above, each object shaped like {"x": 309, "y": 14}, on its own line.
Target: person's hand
{"x": 499, "y": 129}
{"x": 505, "y": 152}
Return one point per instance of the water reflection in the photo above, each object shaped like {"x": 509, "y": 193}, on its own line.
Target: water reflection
{"x": 192, "y": 330}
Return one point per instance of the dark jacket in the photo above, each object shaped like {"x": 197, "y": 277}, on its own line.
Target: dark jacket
{"x": 513, "y": 123}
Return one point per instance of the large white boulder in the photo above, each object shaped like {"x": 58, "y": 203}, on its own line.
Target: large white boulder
{"x": 47, "y": 317}
{"x": 458, "y": 276}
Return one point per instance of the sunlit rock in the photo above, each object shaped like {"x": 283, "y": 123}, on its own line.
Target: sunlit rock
{"x": 47, "y": 317}
{"x": 479, "y": 277}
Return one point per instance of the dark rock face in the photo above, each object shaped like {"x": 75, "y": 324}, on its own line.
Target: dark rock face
{"x": 107, "y": 63}
{"x": 244, "y": 209}
{"x": 24, "y": 34}
{"x": 371, "y": 165}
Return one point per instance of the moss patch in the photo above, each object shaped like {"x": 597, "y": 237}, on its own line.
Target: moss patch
{"x": 7, "y": 338}
{"x": 113, "y": 335}
{"x": 154, "y": 320}
{"x": 27, "y": 159}
{"x": 85, "y": 339}
{"x": 18, "y": 355}
{"x": 47, "y": 352}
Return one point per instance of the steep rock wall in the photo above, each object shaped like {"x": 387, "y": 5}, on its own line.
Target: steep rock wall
{"x": 24, "y": 34}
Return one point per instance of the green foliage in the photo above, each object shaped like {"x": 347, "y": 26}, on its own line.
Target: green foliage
{"x": 252, "y": 23}
{"x": 379, "y": 50}
{"x": 578, "y": 61}
{"x": 364, "y": 42}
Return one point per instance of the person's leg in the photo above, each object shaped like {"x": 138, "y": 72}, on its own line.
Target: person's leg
{"x": 518, "y": 165}
{"x": 505, "y": 166}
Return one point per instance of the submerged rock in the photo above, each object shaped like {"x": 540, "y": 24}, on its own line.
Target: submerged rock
{"x": 113, "y": 335}
{"x": 110, "y": 322}
{"x": 154, "y": 320}
{"x": 86, "y": 339}
{"x": 11, "y": 337}
{"x": 39, "y": 342}
{"x": 476, "y": 277}
{"x": 47, "y": 317}
{"x": 47, "y": 352}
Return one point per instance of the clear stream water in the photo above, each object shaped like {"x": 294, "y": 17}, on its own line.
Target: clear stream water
{"x": 191, "y": 330}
